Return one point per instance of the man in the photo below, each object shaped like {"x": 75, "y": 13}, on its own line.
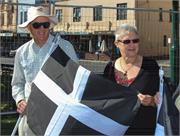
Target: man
{"x": 30, "y": 57}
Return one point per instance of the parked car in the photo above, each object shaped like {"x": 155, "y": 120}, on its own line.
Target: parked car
{"x": 4, "y": 52}
{"x": 12, "y": 53}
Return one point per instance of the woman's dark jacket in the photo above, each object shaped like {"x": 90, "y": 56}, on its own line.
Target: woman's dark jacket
{"x": 146, "y": 82}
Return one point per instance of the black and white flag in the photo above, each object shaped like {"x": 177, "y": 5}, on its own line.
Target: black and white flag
{"x": 167, "y": 114}
{"x": 67, "y": 99}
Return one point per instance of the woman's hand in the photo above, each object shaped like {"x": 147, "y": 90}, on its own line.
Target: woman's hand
{"x": 157, "y": 98}
{"x": 146, "y": 100}
{"x": 21, "y": 107}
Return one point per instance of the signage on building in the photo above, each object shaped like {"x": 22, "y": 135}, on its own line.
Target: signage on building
{"x": 6, "y": 34}
{"x": 104, "y": 32}
{"x": 23, "y": 34}
{"x": 74, "y": 33}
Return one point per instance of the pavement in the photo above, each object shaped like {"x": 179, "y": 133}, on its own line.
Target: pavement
{"x": 98, "y": 66}
{"x": 94, "y": 65}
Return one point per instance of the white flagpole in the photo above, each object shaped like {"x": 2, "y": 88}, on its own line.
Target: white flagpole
{"x": 16, "y": 126}
{"x": 161, "y": 86}
{"x": 160, "y": 129}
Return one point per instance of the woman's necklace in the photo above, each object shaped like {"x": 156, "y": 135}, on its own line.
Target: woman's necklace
{"x": 126, "y": 71}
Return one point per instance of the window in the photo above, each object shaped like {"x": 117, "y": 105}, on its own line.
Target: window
{"x": 122, "y": 12}
{"x": 165, "y": 41}
{"x": 10, "y": 11}
{"x": 9, "y": 21}
{"x": 2, "y": 19}
{"x": 97, "y": 13}
{"x": 12, "y": 8}
{"x": 59, "y": 14}
{"x": 23, "y": 16}
{"x": 40, "y": 1}
{"x": 170, "y": 15}
{"x": 160, "y": 15}
{"x": 76, "y": 14}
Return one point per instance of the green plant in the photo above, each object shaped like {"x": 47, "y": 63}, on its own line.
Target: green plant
{"x": 3, "y": 88}
{"x": 7, "y": 124}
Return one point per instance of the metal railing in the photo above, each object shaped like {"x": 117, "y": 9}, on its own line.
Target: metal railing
{"x": 154, "y": 25}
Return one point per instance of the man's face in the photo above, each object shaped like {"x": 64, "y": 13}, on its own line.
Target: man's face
{"x": 39, "y": 29}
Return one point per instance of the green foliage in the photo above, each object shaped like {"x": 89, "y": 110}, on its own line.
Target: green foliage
{"x": 3, "y": 88}
{"x": 7, "y": 124}
{"x": 7, "y": 107}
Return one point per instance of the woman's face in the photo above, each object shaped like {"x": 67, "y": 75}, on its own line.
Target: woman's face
{"x": 39, "y": 29}
{"x": 128, "y": 45}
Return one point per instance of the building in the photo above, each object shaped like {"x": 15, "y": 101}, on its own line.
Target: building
{"x": 97, "y": 20}
{"x": 8, "y": 25}
{"x": 8, "y": 13}
{"x": 87, "y": 23}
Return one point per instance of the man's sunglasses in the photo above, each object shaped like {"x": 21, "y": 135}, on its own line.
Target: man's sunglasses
{"x": 37, "y": 25}
{"x": 129, "y": 41}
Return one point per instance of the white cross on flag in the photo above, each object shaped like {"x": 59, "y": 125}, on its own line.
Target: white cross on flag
{"x": 67, "y": 99}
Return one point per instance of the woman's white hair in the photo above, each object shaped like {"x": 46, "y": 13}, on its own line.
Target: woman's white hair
{"x": 125, "y": 29}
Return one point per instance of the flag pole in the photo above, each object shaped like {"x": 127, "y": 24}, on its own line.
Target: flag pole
{"x": 161, "y": 89}
{"x": 16, "y": 126}
{"x": 159, "y": 129}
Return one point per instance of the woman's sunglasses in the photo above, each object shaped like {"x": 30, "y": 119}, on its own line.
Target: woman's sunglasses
{"x": 37, "y": 25}
{"x": 129, "y": 41}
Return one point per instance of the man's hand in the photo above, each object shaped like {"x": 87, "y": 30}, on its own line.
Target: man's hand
{"x": 21, "y": 107}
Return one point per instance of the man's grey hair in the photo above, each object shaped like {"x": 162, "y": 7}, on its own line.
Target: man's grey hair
{"x": 125, "y": 29}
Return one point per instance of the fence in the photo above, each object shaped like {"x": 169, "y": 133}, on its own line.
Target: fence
{"x": 86, "y": 27}
{"x": 91, "y": 25}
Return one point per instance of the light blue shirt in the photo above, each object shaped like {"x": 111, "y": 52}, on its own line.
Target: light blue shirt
{"x": 28, "y": 61}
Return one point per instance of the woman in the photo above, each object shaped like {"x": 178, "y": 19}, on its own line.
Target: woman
{"x": 138, "y": 73}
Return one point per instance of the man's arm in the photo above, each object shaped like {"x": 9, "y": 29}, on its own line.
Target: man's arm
{"x": 18, "y": 80}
